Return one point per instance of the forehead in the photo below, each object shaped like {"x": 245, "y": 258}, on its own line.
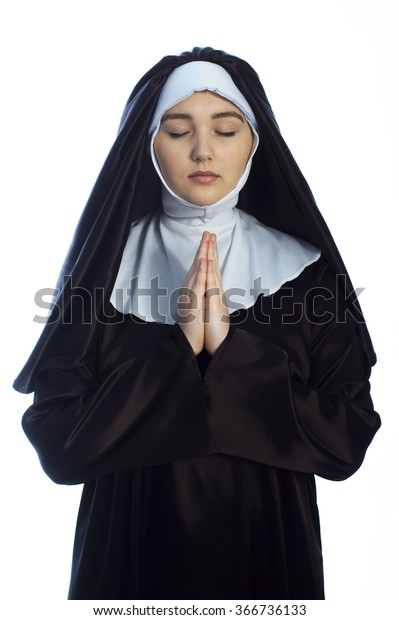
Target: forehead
{"x": 203, "y": 102}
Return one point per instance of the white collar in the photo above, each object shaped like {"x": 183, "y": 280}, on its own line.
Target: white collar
{"x": 254, "y": 260}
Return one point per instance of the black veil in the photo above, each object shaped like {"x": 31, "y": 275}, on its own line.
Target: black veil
{"x": 128, "y": 187}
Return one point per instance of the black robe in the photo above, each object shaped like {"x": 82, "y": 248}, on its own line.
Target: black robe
{"x": 199, "y": 471}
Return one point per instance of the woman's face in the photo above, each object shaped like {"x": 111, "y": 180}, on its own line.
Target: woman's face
{"x": 202, "y": 147}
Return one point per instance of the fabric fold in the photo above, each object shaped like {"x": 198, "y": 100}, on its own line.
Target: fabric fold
{"x": 143, "y": 401}
{"x": 254, "y": 259}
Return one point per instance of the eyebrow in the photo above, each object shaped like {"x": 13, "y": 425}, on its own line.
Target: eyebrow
{"x": 171, "y": 116}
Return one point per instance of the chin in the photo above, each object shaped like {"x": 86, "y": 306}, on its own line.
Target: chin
{"x": 204, "y": 201}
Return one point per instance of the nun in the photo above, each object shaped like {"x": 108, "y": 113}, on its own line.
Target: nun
{"x": 205, "y": 357}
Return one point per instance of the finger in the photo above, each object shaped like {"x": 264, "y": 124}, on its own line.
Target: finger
{"x": 200, "y": 254}
{"x": 216, "y": 309}
{"x": 204, "y": 243}
{"x": 211, "y": 248}
{"x": 212, "y": 240}
{"x": 213, "y": 252}
{"x": 212, "y": 255}
{"x": 202, "y": 249}
{"x": 196, "y": 277}
{"x": 215, "y": 243}
{"x": 210, "y": 274}
{"x": 212, "y": 280}
{"x": 200, "y": 272}
{"x": 191, "y": 295}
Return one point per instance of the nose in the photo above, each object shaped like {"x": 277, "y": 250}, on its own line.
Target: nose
{"x": 202, "y": 150}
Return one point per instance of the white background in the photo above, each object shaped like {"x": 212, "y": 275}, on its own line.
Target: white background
{"x": 330, "y": 69}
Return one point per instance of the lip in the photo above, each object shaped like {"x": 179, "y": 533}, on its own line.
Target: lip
{"x": 204, "y": 176}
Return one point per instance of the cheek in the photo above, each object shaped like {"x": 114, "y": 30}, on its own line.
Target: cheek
{"x": 157, "y": 151}
{"x": 240, "y": 157}
{"x": 246, "y": 152}
{"x": 168, "y": 155}
{"x": 162, "y": 158}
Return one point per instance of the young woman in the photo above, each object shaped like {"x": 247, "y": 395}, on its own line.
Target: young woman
{"x": 206, "y": 355}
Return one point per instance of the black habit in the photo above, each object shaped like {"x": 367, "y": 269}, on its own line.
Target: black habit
{"x": 199, "y": 472}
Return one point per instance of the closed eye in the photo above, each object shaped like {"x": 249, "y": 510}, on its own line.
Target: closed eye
{"x": 175, "y": 135}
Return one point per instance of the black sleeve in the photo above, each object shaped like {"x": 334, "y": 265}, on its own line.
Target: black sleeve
{"x": 147, "y": 410}
{"x": 152, "y": 407}
{"x": 260, "y": 408}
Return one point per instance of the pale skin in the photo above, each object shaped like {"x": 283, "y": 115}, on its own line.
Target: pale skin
{"x": 204, "y": 319}
{"x": 202, "y": 148}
